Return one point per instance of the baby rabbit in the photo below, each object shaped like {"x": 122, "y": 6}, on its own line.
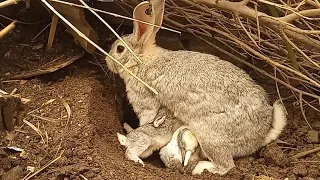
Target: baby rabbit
{"x": 146, "y": 139}
{"x": 227, "y": 111}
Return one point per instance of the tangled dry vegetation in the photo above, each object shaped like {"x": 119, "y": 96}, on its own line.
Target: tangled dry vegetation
{"x": 283, "y": 35}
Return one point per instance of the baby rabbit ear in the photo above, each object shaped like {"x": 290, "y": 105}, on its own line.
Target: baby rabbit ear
{"x": 158, "y": 13}
{"x": 122, "y": 139}
{"x": 143, "y": 12}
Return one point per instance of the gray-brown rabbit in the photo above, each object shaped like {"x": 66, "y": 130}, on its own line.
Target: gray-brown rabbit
{"x": 226, "y": 110}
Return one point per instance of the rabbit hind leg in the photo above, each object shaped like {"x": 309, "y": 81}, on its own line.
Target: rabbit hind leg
{"x": 221, "y": 162}
{"x": 202, "y": 165}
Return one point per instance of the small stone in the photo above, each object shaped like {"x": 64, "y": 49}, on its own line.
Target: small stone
{"x": 62, "y": 161}
{"x": 31, "y": 168}
{"x": 308, "y": 178}
{"x": 68, "y": 153}
{"x": 5, "y": 163}
{"x": 89, "y": 158}
{"x": 13, "y": 174}
{"x": 16, "y": 162}
{"x": 263, "y": 177}
{"x": 37, "y": 47}
{"x": 313, "y": 136}
{"x": 316, "y": 124}
{"x": 248, "y": 176}
{"x": 274, "y": 155}
{"x": 10, "y": 136}
{"x": 300, "y": 170}
{"x": 2, "y": 153}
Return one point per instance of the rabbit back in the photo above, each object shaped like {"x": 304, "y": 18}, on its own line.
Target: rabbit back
{"x": 207, "y": 92}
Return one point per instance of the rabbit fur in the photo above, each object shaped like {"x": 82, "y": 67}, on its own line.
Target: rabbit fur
{"x": 226, "y": 110}
{"x": 146, "y": 139}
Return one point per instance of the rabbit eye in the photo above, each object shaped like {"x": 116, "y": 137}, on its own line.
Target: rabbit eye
{"x": 120, "y": 49}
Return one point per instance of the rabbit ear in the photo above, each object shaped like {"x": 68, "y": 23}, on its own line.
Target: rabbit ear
{"x": 158, "y": 13}
{"x": 143, "y": 12}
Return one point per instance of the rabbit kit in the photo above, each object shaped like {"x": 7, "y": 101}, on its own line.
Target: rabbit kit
{"x": 210, "y": 111}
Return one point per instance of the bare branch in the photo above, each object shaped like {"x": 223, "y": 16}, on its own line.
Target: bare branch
{"x": 8, "y": 3}
{"x": 7, "y": 29}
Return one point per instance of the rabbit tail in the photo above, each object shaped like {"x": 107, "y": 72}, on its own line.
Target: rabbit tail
{"x": 278, "y": 124}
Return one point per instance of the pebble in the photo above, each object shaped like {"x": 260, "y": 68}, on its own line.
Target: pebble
{"x": 308, "y": 178}
{"x": 2, "y": 153}
{"x": 5, "y": 163}
{"x": 263, "y": 177}
{"x": 37, "y": 47}
{"x": 300, "y": 170}
{"x": 248, "y": 176}
{"x": 68, "y": 153}
{"x": 274, "y": 155}
{"x": 16, "y": 162}
{"x": 313, "y": 136}
{"x": 13, "y": 174}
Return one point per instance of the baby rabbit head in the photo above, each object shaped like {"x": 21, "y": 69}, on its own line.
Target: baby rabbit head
{"x": 142, "y": 39}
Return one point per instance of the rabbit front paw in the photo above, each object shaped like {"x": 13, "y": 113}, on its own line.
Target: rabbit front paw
{"x": 202, "y": 165}
{"x": 134, "y": 158}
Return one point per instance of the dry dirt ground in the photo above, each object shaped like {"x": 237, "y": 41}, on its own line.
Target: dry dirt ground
{"x": 88, "y": 142}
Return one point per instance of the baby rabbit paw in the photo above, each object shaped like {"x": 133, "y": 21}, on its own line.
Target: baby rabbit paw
{"x": 135, "y": 158}
{"x": 202, "y": 165}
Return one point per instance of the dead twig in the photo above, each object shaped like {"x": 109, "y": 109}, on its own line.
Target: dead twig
{"x": 8, "y": 3}
{"x": 306, "y": 153}
{"x": 48, "y": 68}
{"x": 83, "y": 177}
{"x": 7, "y": 29}
{"x": 45, "y": 166}
{"x": 52, "y": 33}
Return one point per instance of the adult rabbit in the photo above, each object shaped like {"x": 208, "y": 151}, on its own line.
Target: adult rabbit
{"x": 226, "y": 110}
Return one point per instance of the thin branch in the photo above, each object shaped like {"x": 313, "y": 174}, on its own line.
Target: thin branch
{"x": 45, "y": 166}
{"x": 249, "y": 34}
{"x": 274, "y": 23}
{"x": 115, "y": 15}
{"x": 8, "y": 3}
{"x": 302, "y": 110}
{"x": 7, "y": 29}
{"x": 299, "y": 50}
{"x": 113, "y": 31}
{"x": 306, "y": 153}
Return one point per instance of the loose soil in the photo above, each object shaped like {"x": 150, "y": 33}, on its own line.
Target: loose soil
{"x": 99, "y": 107}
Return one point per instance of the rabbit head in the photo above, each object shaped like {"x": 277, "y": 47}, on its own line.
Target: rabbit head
{"x": 142, "y": 40}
